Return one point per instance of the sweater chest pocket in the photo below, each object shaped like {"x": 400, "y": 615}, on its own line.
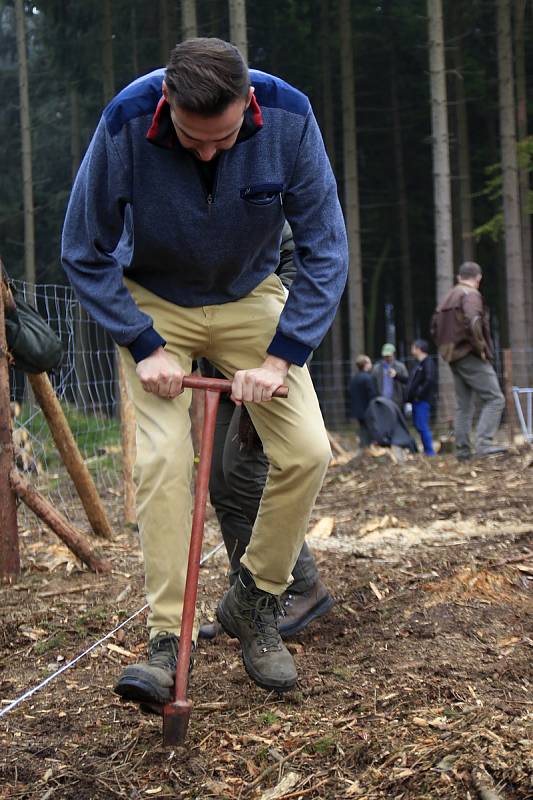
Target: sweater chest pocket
{"x": 261, "y": 194}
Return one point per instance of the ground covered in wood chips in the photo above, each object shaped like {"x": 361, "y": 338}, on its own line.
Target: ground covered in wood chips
{"x": 416, "y": 686}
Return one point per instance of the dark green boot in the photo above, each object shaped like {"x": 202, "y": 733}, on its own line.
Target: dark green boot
{"x": 152, "y": 681}
{"x": 251, "y": 615}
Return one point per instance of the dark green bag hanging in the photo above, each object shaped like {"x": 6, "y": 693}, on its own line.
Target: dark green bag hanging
{"x": 35, "y": 347}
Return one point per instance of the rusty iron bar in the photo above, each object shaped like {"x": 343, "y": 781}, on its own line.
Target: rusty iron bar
{"x": 221, "y": 385}
{"x": 176, "y": 714}
{"x": 9, "y": 539}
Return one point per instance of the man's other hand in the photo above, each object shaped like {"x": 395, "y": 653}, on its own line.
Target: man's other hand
{"x": 160, "y": 374}
{"x": 259, "y": 384}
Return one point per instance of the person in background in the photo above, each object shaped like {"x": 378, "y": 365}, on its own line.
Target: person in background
{"x": 363, "y": 389}
{"x": 460, "y": 329}
{"x": 391, "y": 376}
{"x": 420, "y": 391}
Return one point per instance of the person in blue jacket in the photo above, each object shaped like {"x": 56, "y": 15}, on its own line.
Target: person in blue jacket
{"x": 171, "y": 240}
{"x": 420, "y": 391}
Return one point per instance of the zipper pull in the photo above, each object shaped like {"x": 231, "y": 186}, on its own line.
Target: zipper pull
{"x": 209, "y": 199}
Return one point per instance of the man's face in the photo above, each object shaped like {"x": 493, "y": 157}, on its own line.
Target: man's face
{"x": 206, "y": 137}
{"x": 388, "y": 359}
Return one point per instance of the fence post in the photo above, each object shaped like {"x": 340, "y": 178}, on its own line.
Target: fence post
{"x": 9, "y": 542}
{"x": 68, "y": 449}
{"x": 507, "y": 359}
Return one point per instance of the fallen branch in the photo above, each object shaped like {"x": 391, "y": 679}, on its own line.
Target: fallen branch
{"x": 302, "y": 792}
{"x": 74, "y": 540}
{"x": 275, "y": 766}
{"x": 69, "y": 590}
{"x": 484, "y": 784}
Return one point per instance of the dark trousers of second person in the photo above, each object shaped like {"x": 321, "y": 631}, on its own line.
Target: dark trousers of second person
{"x": 238, "y": 475}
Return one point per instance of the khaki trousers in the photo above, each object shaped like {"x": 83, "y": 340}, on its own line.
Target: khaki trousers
{"x": 232, "y": 336}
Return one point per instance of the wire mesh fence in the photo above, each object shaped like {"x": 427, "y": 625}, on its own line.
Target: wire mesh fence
{"x": 87, "y": 387}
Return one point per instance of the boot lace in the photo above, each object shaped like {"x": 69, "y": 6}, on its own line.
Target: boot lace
{"x": 262, "y": 611}
{"x": 164, "y": 651}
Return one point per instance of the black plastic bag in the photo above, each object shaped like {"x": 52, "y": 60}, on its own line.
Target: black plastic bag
{"x": 32, "y": 343}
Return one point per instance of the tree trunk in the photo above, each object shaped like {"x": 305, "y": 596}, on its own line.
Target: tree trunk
{"x": 441, "y": 184}
{"x": 25, "y": 130}
{"x": 108, "y": 71}
{"x": 511, "y": 194}
{"x": 351, "y": 185}
{"x": 403, "y": 219}
{"x": 441, "y": 154}
{"x": 189, "y": 23}
{"x": 75, "y": 128}
{"x": 336, "y": 350}
{"x": 523, "y": 174}
{"x": 467, "y": 250}
{"x": 164, "y": 32}
{"x": 134, "y": 46}
{"x": 237, "y": 26}
{"x": 9, "y": 537}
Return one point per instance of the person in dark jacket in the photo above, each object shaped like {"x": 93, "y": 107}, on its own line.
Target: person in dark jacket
{"x": 461, "y": 330}
{"x": 363, "y": 389}
{"x": 171, "y": 239}
{"x": 239, "y": 471}
{"x": 420, "y": 391}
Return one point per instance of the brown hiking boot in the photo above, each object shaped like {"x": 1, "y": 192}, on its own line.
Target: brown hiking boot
{"x": 152, "y": 682}
{"x": 299, "y": 610}
{"x": 251, "y": 615}
{"x": 302, "y": 608}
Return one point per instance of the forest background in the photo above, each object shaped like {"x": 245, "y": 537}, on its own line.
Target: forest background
{"x": 423, "y": 106}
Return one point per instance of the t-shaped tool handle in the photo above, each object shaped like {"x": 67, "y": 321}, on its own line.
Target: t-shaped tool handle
{"x": 176, "y": 714}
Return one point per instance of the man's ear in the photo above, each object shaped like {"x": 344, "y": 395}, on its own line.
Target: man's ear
{"x": 251, "y": 92}
{"x": 165, "y": 91}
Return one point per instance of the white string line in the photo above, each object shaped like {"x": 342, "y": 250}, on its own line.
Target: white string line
{"x": 70, "y": 664}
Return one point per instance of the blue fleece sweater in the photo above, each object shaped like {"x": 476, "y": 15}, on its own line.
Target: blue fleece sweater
{"x": 140, "y": 208}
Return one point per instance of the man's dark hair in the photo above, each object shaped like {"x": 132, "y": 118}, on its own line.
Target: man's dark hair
{"x": 204, "y": 76}
{"x": 422, "y": 344}
{"x": 470, "y": 270}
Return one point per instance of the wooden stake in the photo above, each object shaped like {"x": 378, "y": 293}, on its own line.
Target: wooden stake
{"x": 9, "y": 542}
{"x": 66, "y": 444}
{"x": 127, "y": 426}
{"x": 74, "y": 540}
